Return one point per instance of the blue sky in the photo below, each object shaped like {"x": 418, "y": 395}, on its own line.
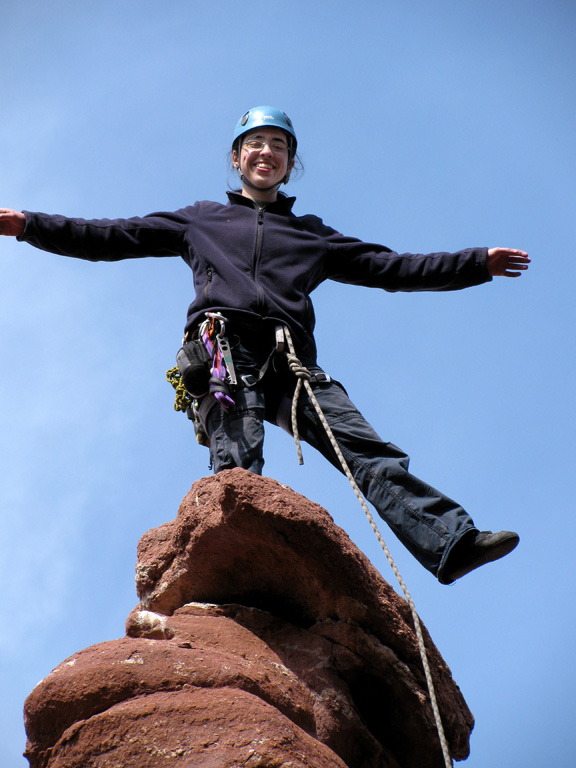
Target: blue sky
{"x": 423, "y": 126}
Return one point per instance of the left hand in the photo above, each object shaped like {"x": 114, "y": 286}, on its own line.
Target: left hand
{"x": 507, "y": 262}
{"x": 12, "y": 223}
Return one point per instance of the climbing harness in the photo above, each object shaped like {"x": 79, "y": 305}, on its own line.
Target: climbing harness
{"x": 303, "y": 380}
{"x": 203, "y": 373}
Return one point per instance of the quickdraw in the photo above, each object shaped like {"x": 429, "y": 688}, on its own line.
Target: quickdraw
{"x": 212, "y": 332}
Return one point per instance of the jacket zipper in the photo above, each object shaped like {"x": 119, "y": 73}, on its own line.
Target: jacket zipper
{"x": 257, "y": 250}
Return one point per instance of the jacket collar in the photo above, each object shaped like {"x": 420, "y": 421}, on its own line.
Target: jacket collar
{"x": 282, "y": 204}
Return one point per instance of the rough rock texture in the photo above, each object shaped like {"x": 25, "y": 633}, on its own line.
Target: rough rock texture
{"x": 263, "y": 638}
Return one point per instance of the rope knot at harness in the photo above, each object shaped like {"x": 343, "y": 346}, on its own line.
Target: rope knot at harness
{"x": 297, "y": 368}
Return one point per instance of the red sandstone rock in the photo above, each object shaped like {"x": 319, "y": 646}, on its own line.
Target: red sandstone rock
{"x": 265, "y": 638}
{"x": 231, "y": 728}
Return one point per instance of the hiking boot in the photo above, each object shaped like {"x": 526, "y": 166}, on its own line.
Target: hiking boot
{"x": 475, "y": 549}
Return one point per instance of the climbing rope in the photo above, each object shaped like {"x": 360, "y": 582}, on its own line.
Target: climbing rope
{"x": 303, "y": 380}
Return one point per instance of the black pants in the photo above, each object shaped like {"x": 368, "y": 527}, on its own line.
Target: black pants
{"x": 427, "y": 522}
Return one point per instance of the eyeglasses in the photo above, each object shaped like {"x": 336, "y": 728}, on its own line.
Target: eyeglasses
{"x": 257, "y": 145}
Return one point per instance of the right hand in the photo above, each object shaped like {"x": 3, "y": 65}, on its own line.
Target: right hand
{"x": 12, "y": 223}
{"x": 508, "y": 262}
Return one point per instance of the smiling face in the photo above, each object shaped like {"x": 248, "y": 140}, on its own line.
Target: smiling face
{"x": 263, "y": 166}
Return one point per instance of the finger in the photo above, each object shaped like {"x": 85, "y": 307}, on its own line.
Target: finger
{"x": 519, "y": 260}
{"x": 518, "y": 264}
{"x": 514, "y": 270}
{"x": 508, "y": 252}
{"x": 513, "y": 251}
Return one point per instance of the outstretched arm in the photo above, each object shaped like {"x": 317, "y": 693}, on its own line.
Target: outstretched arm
{"x": 507, "y": 262}
{"x": 158, "y": 234}
{"x": 12, "y": 223}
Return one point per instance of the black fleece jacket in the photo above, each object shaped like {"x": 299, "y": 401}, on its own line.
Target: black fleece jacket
{"x": 256, "y": 265}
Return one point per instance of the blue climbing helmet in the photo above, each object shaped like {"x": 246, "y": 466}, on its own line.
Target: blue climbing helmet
{"x": 266, "y": 117}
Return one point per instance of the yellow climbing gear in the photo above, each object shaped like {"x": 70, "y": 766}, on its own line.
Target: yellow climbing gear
{"x": 183, "y": 399}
